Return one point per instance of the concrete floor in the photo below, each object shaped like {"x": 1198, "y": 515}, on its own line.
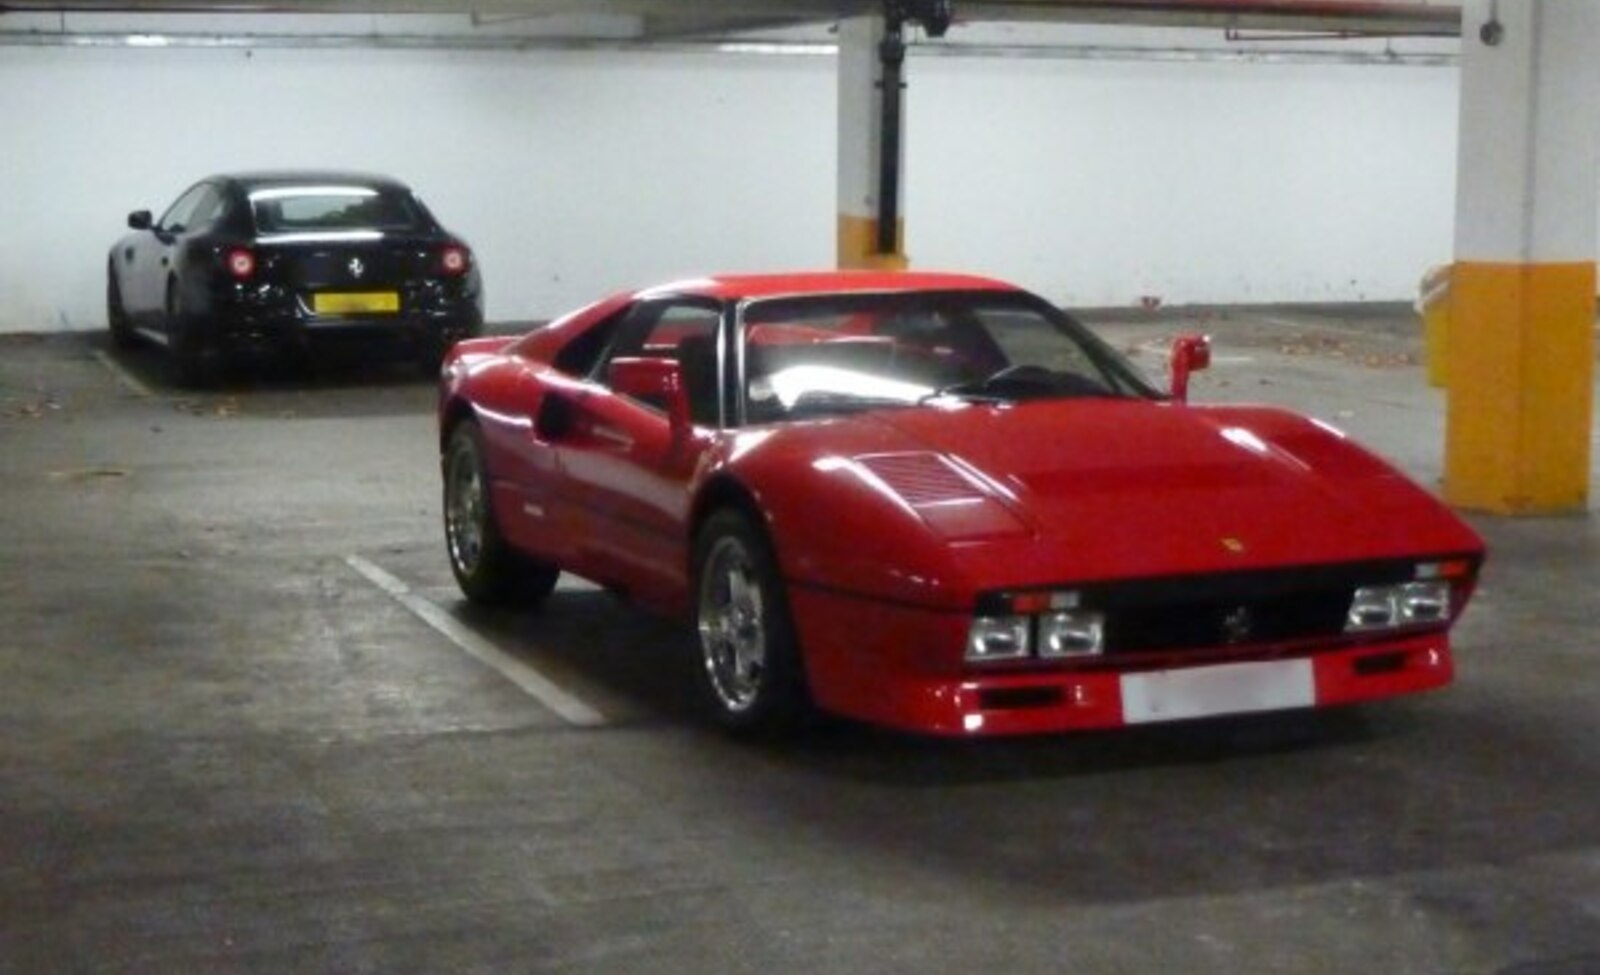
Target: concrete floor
{"x": 224, "y": 749}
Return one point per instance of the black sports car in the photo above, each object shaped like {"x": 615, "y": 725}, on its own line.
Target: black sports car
{"x": 292, "y": 262}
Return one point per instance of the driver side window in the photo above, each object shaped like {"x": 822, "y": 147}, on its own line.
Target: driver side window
{"x": 179, "y": 216}
{"x": 681, "y": 329}
{"x": 206, "y": 210}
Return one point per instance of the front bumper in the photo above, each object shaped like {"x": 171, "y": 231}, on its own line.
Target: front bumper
{"x": 894, "y": 666}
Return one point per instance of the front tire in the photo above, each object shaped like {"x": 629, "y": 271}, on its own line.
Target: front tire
{"x": 751, "y": 673}
{"x": 486, "y": 567}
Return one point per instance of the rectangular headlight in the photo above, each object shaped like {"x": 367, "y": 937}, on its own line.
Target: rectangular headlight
{"x": 1393, "y": 607}
{"x": 1371, "y": 608}
{"x": 1423, "y": 602}
{"x": 993, "y": 638}
{"x": 1071, "y": 633}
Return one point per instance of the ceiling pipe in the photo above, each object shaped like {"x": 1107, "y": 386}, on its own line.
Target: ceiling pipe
{"x": 731, "y": 46}
{"x": 1436, "y": 18}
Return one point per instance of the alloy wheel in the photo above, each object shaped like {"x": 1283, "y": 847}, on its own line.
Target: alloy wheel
{"x": 733, "y": 625}
{"x": 465, "y": 510}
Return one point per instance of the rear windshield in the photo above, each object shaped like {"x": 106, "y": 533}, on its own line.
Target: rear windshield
{"x": 302, "y": 209}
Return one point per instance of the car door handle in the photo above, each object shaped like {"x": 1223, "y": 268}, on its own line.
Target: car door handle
{"x": 611, "y": 435}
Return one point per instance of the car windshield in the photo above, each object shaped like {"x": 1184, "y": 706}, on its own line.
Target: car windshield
{"x": 815, "y": 355}
{"x": 324, "y": 208}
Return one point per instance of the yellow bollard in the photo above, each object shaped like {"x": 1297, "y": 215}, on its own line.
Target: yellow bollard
{"x": 1433, "y": 304}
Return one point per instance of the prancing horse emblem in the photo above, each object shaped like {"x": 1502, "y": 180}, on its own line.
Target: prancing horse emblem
{"x": 356, "y": 267}
{"x": 1237, "y": 625}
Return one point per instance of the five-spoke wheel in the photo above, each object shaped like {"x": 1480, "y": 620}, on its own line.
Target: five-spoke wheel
{"x": 750, "y": 665}
{"x": 485, "y": 566}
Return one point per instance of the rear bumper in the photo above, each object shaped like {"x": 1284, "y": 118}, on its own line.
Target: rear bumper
{"x": 880, "y": 664}
{"x": 275, "y": 321}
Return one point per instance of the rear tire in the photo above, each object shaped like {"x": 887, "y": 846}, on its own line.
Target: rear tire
{"x": 194, "y": 361}
{"x": 122, "y": 334}
{"x": 752, "y": 676}
{"x": 430, "y": 362}
{"x": 486, "y": 567}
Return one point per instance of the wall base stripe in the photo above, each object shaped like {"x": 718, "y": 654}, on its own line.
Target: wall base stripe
{"x": 858, "y": 245}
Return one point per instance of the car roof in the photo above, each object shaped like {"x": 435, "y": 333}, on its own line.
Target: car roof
{"x": 734, "y": 286}
{"x": 256, "y": 179}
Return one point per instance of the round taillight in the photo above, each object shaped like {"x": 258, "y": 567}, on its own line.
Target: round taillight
{"x": 454, "y": 260}
{"x": 241, "y": 263}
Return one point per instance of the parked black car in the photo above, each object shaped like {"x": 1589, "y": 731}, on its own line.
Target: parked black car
{"x": 292, "y": 262}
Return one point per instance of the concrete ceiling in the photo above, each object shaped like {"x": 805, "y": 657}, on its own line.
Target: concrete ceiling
{"x": 678, "y": 18}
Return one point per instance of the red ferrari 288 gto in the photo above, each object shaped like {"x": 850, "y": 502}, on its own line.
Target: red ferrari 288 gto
{"x": 938, "y": 503}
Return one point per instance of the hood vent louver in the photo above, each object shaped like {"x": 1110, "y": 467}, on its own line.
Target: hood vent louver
{"x": 922, "y": 478}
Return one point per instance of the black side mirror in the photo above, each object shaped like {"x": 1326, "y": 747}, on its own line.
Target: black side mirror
{"x": 141, "y": 220}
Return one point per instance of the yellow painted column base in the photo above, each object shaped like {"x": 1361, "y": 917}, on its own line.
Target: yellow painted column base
{"x": 858, "y": 243}
{"x": 1521, "y": 385}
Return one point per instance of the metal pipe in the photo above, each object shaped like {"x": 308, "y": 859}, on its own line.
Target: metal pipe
{"x": 713, "y": 45}
{"x": 892, "y": 58}
{"x": 1192, "y": 55}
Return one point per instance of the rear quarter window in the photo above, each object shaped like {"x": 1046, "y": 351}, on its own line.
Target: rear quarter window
{"x": 580, "y": 356}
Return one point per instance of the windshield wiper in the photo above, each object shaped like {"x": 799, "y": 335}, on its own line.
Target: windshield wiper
{"x": 818, "y": 401}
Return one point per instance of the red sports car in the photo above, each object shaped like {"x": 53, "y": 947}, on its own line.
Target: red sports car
{"x": 938, "y": 503}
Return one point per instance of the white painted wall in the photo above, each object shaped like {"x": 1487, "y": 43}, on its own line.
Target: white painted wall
{"x": 1097, "y": 183}
{"x": 573, "y": 174}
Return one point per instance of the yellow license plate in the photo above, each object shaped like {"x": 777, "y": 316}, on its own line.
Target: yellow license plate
{"x": 355, "y": 302}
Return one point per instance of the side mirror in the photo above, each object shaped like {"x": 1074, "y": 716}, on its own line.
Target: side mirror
{"x": 141, "y": 220}
{"x": 658, "y": 382}
{"x": 1190, "y": 353}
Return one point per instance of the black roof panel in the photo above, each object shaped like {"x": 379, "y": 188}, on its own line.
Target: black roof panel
{"x": 285, "y": 177}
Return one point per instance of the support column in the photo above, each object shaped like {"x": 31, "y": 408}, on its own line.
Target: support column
{"x": 1522, "y": 293}
{"x": 861, "y": 149}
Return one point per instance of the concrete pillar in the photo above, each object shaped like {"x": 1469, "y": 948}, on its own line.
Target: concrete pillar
{"x": 860, "y": 147}
{"x": 1522, "y": 296}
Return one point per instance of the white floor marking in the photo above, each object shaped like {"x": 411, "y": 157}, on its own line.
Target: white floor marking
{"x": 123, "y": 376}
{"x": 539, "y": 687}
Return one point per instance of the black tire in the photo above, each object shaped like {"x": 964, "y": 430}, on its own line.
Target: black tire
{"x": 122, "y": 334}
{"x": 751, "y": 674}
{"x": 430, "y": 361}
{"x": 486, "y": 567}
{"x": 194, "y": 362}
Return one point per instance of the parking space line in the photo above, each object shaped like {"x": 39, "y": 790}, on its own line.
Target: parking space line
{"x": 129, "y": 381}
{"x": 536, "y": 685}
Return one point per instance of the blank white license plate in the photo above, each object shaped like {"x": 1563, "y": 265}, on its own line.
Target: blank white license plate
{"x": 1196, "y": 692}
